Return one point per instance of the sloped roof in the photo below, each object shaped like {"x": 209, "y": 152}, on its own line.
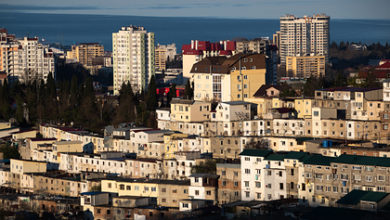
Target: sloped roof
{"x": 221, "y": 64}
{"x": 262, "y": 91}
{"x": 255, "y": 152}
{"x": 363, "y": 160}
{"x": 317, "y": 159}
{"x": 355, "y": 196}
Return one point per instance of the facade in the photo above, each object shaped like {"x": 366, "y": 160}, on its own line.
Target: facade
{"x": 229, "y": 183}
{"x": 25, "y": 59}
{"x": 85, "y": 53}
{"x": 304, "y": 36}
{"x": 133, "y": 58}
{"x": 232, "y": 79}
{"x": 163, "y": 54}
{"x": 197, "y": 50}
{"x": 257, "y": 45}
{"x": 305, "y": 66}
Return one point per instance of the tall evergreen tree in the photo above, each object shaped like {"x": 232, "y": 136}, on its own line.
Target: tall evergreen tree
{"x": 188, "y": 91}
{"x": 126, "y": 109}
{"x": 171, "y": 94}
{"x": 151, "y": 96}
{"x": 5, "y": 109}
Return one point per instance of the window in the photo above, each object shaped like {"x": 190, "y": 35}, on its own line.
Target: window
{"x": 122, "y": 187}
{"x": 247, "y": 171}
{"x": 246, "y": 183}
{"x": 258, "y": 184}
{"x": 197, "y": 192}
{"x": 208, "y": 192}
{"x": 281, "y": 186}
{"x": 247, "y": 194}
{"x": 128, "y": 187}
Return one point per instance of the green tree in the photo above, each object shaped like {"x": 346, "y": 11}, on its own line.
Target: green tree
{"x": 5, "y": 108}
{"x": 9, "y": 152}
{"x": 126, "y": 109}
{"x": 171, "y": 94}
{"x": 311, "y": 85}
{"x": 151, "y": 96}
{"x": 209, "y": 166}
{"x": 188, "y": 91}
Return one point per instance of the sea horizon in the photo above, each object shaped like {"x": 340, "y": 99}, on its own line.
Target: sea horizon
{"x": 60, "y": 28}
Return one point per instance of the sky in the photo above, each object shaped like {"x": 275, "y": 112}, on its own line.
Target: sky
{"x": 344, "y": 9}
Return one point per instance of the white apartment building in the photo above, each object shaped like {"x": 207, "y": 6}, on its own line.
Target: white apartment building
{"x": 133, "y": 57}
{"x": 25, "y": 59}
{"x": 263, "y": 176}
{"x": 304, "y": 36}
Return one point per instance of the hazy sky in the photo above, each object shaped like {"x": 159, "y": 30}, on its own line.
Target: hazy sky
{"x": 365, "y": 9}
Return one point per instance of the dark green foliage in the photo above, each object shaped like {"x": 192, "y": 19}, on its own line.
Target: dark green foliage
{"x": 189, "y": 91}
{"x": 311, "y": 85}
{"x": 126, "y": 108}
{"x": 286, "y": 90}
{"x": 9, "y": 152}
{"x": 5, "y": 108}
{"x": 151, "y": 96}
{"x": 171, "y": 94}
{"x": 209, "y": 166}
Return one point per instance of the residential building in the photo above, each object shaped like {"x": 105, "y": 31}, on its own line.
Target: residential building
{"x": 305, "y": 66}
{"x": 133, "y": 58}
{"x": 197, "y": 50}
{"x": 364, "y": 200}
{"x": 229, "y": 79}
{"x": 85, "y": 53}
{"x": 25, "y": 59}
{"x": 164, "y": 53}
{"x": 304, "y": 36}
{"x": 257, "y": 45}
{"x": 229, "y": 183}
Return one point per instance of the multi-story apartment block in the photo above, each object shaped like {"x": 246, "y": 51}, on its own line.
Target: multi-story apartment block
{"x": 257, "y": 45}
{"x": 197, "y": 50}
{"x": 25, "y": 59}
{"x": 133, "y": 58}
{"x": 164, "y": 53}
{"x": 325, "y": 180}
{"x": 305, "y": 66}
{"x": 167, "y": 193}
{"x": 229, "y": 183}
{"x": 229, "y": 79}
{"x": 304, "y": 36}
{"x": 85, "y": 53}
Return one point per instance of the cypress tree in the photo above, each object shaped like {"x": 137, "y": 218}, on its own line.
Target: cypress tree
{"x": 188, "y": 91}
{"x": 151, "y": 96}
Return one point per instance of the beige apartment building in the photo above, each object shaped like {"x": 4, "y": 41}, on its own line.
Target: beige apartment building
{"x": 257, "y": 45}
{"x": 304, "y": 36}
{"x": 189, "y": 110}
{"x": 167, "y": 192}
{"x": 305, "y": 66}
{"x": 229, "y": 183}
{"x": 228, "y": 79}
{"x": 164, "y": 53}
{"x": 84, "y": 53}
{"x": 325, "y": 180}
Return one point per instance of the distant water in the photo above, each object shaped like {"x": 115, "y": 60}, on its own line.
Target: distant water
{"x": 71, "y": 29}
